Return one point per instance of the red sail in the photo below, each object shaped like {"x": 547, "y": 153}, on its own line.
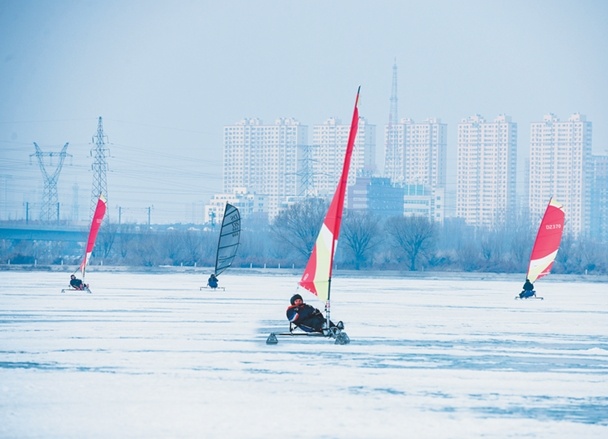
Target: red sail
{"x": 547, "y": 241}
{"x": 317, "y": 275}
{"x": 100, "y": 211}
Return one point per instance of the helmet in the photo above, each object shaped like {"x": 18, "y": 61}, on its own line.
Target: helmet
{"x": 294, "y": 298}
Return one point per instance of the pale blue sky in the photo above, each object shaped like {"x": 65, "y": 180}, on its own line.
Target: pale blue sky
{"x": 167, "y": 76}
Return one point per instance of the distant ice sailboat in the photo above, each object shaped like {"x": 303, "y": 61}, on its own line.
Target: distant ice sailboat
{"x": 100, "y": 211}
{"x": 228, "y": 243}
{"x": 317, "y": 274}
{"x": 545, "y": 247}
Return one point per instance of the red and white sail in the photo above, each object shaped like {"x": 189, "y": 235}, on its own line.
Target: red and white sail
{"x": 100, "y": 211}
{"x": 547, "y": 242}
{"x": 317, "y": 275}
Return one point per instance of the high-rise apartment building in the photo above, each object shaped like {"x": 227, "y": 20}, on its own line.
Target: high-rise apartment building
{"x": 486, "y": 170}
{"x": 415, "y": 156}
{"x": 275, "y": 161}
{"x": 560, "y": 167}
{"x": 327, "y": 154}
{"x": 599, "y": 199}
{"x": 264, "y": 159}
{"x": 416, "y": 153}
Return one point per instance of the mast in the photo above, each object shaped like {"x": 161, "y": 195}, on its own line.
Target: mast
{"x": 341, "y": 190}
{"x": 317, "y": 274}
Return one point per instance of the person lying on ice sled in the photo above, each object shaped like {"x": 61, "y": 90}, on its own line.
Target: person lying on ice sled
{"x": 77, "y": 283}
{"x": 528, "y": 290}
{"x": 306, "y": 317}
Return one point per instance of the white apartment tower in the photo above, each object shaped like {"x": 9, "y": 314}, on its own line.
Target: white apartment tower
{"x": 416, "y": 153}
{"x": 486, "y": 170}
{"x": 264, "y": 159}
{"x": 560, "y": 160}
{"x": 416, "y": 156}
{"x": 327, "y": 154}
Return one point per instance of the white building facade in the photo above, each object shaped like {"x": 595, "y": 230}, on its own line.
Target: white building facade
{"x": 416, "y": 157}
{"x": 264, "y": 159}
{"x": 417, "y": 153}
{"x": 249, "y": 205}
{"x": 276, "y": 164}
{"x": 560, "y": 167}
{"x": 327, "y": 151}
{"x": 486, "y": 171}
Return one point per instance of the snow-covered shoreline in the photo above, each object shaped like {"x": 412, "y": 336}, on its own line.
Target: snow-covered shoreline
{"x": 274, "y": 271}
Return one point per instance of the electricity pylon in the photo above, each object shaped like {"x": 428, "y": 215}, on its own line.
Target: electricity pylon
{"x": 99, "y": 167}
{"x": 50, "y": 200}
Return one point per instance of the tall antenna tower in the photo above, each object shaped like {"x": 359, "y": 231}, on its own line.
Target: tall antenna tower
{"x": 392, "y": 159}
{"x": 50, "y": 200}
{"x": 99, "y": 167}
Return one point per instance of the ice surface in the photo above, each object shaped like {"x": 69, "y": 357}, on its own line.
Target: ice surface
{"x": 152, "y": 355}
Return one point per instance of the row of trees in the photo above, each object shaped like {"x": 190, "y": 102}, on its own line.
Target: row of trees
{"x": 366, "y": 243}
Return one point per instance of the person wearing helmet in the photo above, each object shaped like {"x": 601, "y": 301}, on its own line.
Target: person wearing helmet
{"x": 528, "y": 290}
{"x": 213, "y": 281}
{"x": 306, "y": 317}
{"x": 76, "y": 283}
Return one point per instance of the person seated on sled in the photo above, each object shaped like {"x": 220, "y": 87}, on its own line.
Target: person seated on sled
{"x": 77, "y": 283}
{"x": 212, "y": 282}
{"x": 307, "y": 317}
{"x": 528, "y": 290}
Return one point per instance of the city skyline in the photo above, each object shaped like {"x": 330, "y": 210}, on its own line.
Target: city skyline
{"x": 242, "y": 179}
{"x": 168, "y": 76}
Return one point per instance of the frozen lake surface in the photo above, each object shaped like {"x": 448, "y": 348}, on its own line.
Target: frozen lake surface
{"x": 151, "y": 356}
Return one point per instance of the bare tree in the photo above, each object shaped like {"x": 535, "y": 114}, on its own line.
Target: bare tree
{"x": 591, "y": 256}
{"x": 127, "y": 234}
{"x": 192, "y": 242}
{"x": 468, "y": 256}
{"x": 567, "y": 258}
{"x": 171, "y": 246}
{"x": 520, "y": 245}
{"x": 107, "y": 236}
{"x": 413, "y": 235}
{"x": 146, "y": 249}
{"x": 361, "y": 234}
{"x": 299, "y": 224}
{"x": 492, "y": 244}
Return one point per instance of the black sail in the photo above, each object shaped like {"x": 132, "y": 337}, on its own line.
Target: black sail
{"x": 230, "y": 235}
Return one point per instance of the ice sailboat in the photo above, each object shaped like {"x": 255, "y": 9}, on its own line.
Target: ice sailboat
{"x": 317, "y": 274}
{"x": 228, "y": 243}
{"x": 100, "y": 211}
{"x": 546, "y": 245}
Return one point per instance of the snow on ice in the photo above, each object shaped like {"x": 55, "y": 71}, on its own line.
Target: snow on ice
{"x": 151, "y": 355}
